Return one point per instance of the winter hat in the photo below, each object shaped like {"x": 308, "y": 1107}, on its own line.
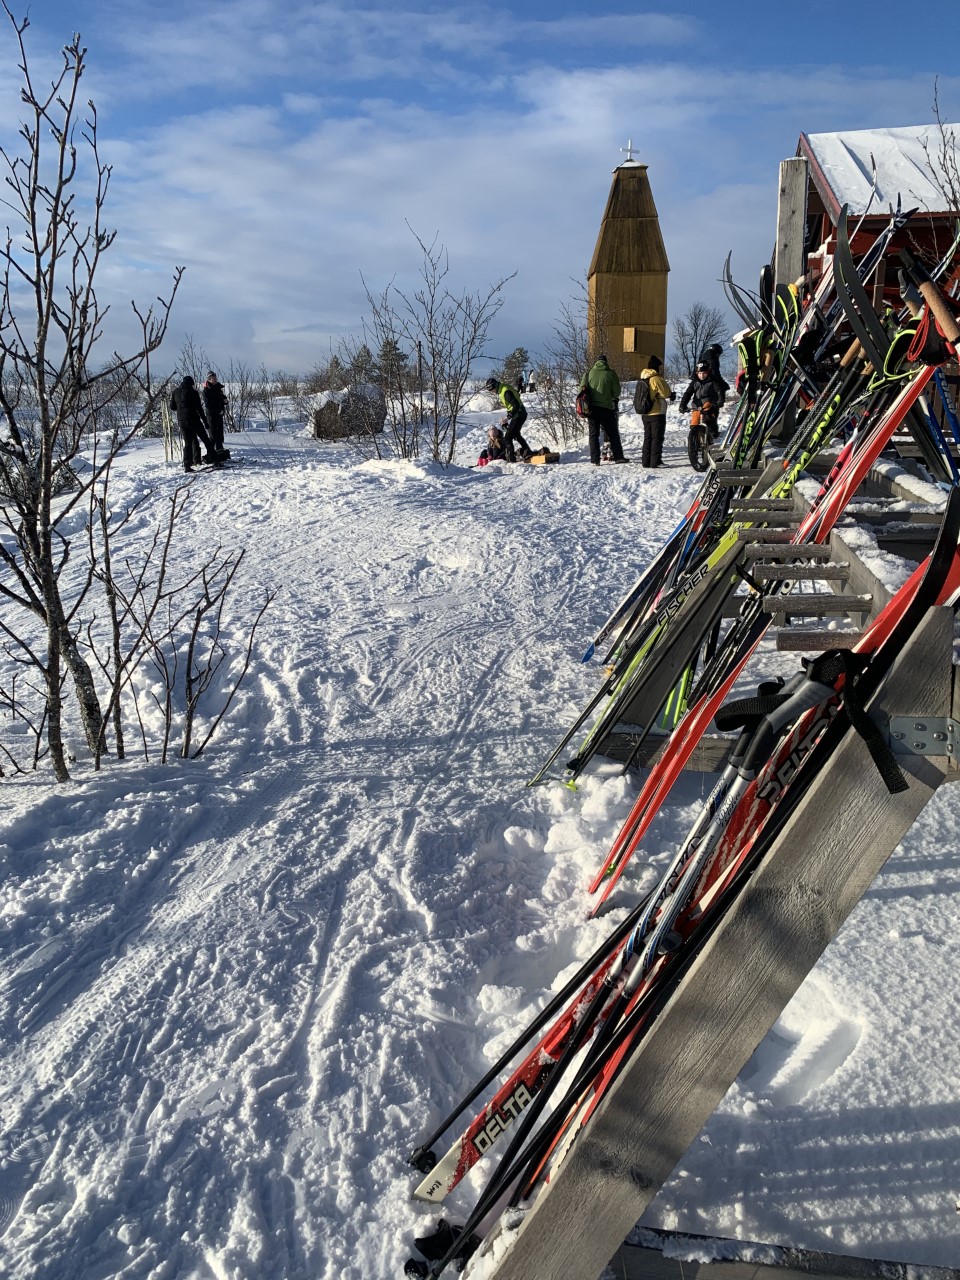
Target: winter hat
{"x": 187, "y": 380}
{"x": 492, "y": 384}
{"x": 211, "y": 374}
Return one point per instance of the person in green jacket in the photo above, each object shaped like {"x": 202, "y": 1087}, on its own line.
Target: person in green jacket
{"x": 604, "y": 387}
{"x": 516, "y": 417}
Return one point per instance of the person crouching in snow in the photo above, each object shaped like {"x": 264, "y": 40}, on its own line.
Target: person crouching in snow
{"x": 494, "y": 452}
{"x": 516, "y": 417}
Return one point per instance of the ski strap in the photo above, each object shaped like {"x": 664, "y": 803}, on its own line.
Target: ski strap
{"x": 747, "y": 713}
{"x": 827, "y": 669}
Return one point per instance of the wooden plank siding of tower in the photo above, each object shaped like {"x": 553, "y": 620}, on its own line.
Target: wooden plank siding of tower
{"x": 627, "y": 280}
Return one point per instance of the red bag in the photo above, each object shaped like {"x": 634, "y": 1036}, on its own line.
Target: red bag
{"x": 583, "y": 403}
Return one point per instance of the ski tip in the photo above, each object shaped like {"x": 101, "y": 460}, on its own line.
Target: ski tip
{"x": 591, "y": 650}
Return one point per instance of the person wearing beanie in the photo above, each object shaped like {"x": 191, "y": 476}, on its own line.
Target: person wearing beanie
{"x": 215, "y": 404}
{"x": 711, "y": 358}
{"x": 655, "y": 418}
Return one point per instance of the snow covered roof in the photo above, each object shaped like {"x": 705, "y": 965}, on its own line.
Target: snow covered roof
{"x": 842, "y": 168}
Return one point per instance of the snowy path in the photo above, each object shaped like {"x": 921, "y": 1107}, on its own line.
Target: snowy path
{"x": 217, "y": 1049}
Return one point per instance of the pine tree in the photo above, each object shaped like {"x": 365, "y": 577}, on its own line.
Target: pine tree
{"x": 514, "y": 365}
{"x": 392, "y": 366}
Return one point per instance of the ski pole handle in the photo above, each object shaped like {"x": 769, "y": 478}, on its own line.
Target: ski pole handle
{"x": 919, "y": 276}
{"x": 852, "y": 353}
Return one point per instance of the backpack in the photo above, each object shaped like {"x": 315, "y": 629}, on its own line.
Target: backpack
{"x": 643, "y": 396}
{"x": 583, "y": 403}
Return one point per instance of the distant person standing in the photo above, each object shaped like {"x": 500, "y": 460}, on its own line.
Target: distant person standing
{"x": 516, "y": 417}
{"x": 215, "y": 404}
{"x": 192, "y": 422}
{"x": 654, "y": 418}
{"x": 603, "y": 385}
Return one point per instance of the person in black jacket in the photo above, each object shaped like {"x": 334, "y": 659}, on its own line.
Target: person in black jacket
{"x": 711, "y": 358}
{"x": 215, "y": 404}
{"x": 706, "y": 394}
{"x": 192, "y": 422}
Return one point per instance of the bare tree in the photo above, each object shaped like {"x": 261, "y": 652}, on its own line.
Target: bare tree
{"x": 943, "y": 156}
{"x": 694, "y": 332}
{"x": 449, "y": 333}
{"x": 51, "y": 399}
{"x": 266, "y": 395}
{"x": 242, "y": 389}
{"x": 560, "y": 367}
{"x": 192, "y": 359}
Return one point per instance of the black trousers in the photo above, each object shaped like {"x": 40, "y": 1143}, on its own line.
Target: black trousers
{"x": 512, "y": 436}
{"x": 654, "y": 426}
{"x": 216, "y": 431}
{"x": 604, "y": 420}
{"x": 194, "y": 433}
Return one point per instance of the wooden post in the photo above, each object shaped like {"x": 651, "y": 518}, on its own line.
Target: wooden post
{"x": 789, "y": 258}
{"x": 826, "y": 857}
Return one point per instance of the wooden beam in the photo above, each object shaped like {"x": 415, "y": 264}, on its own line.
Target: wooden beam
{"x": 804, "y": 640}
{"x": 817, "y": 605}
{"x": 828, "y": 854}
{"x": 789, "y": 259}
{"x": 794, "y": 551}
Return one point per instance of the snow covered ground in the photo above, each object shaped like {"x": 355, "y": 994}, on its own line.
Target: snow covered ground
{"x": 236, "y": 991}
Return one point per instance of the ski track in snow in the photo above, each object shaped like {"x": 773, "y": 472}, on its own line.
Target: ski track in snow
{"x": 237, "y": 991}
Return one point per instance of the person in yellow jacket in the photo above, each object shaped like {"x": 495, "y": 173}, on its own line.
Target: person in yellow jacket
{"x": 516, "y": 417}
{"x": 655, "y": 418}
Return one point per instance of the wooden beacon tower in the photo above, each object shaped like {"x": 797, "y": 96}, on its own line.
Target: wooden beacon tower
{"x": 627, "y": 280}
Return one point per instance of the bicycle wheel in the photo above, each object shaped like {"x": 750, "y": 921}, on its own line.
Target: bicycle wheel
{"x": 698, "y": 439}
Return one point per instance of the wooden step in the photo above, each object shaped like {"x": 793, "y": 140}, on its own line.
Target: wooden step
{"x": 760, "y": 535}
{"x": 914, "y": 541}
{"x": 800, "y": 572}
{"x": 773, "y": 519}
{"x": 908, "y": 449}
{"x": 878, "y": 516}
{"x": 796, "y": 551}
{"x": 763, "y": 504}
{"x": 798, "y": 640}
{"x": 817, "y": 605}
{"x": 729, "y": 477}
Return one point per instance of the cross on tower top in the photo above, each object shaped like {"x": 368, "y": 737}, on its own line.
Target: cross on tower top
{"x": 628, "y": 150}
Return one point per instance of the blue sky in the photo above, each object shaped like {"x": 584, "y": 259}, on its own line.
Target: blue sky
{"x": 279, "y": 152}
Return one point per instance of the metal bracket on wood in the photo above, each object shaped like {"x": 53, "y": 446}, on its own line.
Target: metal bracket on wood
{"x": 924, "y": 735}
